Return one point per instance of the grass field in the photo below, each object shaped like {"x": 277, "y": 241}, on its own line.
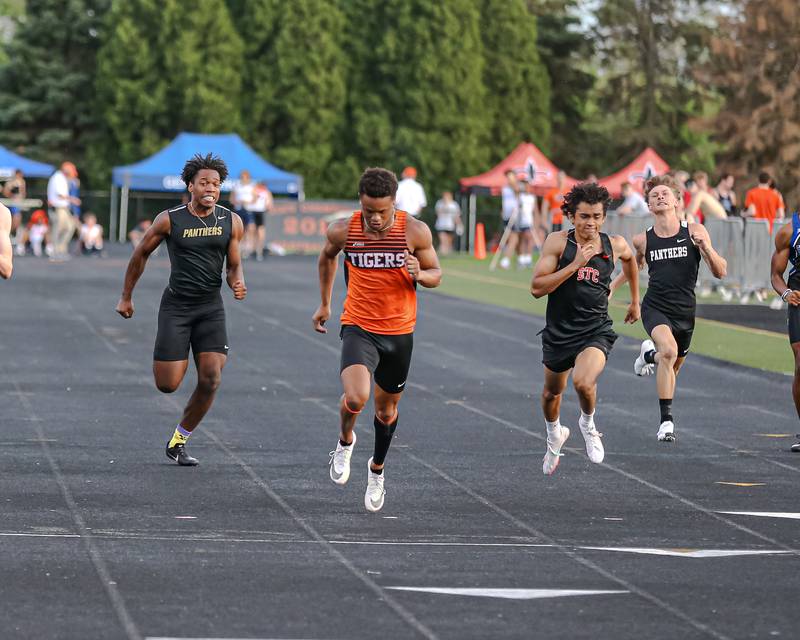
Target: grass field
{"x": 471, "y": 279}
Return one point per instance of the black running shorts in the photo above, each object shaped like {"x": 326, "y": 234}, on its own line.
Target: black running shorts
{"x": 682, "y": 327}
{"x": 183, "y": 323}
{"x": 561, "y": 357}
{"x": 387, "y": 357}
{"x": 794, "y": 324}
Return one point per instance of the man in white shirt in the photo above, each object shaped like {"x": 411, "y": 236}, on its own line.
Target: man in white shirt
{"x": 634, "y": 204}
{"x": 410, "y": 194}
{"x": 59, "y": 200}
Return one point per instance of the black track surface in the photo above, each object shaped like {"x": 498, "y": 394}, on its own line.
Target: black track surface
{"x": 101, "y": 537}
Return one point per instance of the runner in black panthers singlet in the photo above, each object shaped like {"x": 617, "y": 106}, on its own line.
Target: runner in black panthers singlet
{"x": 672, "y": 250}
{"x": 202, "y": 238}
{"x": 574, "y": 272}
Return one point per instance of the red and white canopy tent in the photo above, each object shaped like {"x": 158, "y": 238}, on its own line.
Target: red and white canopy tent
{"x": 646, "y": 165}
{"x": 525, "y": 158}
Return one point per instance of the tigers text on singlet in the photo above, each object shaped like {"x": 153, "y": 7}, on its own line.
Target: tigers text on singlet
{"x": 578, "y": 307}
{"x": 197, "y": 250}
{"x": 672, "y": 265}
{"x": 794, "y": 253}
{"x": 381, "y": 294}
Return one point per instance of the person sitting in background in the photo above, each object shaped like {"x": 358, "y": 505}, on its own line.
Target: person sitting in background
{"x": 726, "y": 195}
{"x": 703, "y": 205}
{"x": 136, "y": 234}
{"x": 448, "y": 222}
{"x": 37, "y": 233}
{"x": 633, "y": 203}
{"x": 91, "y": 235}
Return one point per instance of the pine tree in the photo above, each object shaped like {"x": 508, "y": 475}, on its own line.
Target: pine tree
{"x": 47, "y": 105}
{"x": 203, "y": 58}
{"x": 295, "y": 74}
{"x": 131, "y": 88}
{"x": 517, "y": 84}
{"x": 760, "y": 121}
{"x": 416, "y": 94}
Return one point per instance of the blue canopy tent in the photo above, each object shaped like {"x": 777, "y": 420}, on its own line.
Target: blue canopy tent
{"x": 10, "y": 162}
{"x": 161, "y": 171}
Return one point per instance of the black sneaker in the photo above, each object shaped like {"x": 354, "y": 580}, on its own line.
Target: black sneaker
{"x": 179, "y": 455}
{"x": 796, "y": 446}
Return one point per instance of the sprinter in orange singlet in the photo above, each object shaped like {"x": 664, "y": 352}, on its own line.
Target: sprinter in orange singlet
{"x": 387, "y": 253}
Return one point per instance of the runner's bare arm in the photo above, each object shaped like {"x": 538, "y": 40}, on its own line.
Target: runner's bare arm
{"x": 701, "y": 239}
{"x": 6, "y": 265}
{"x": 622, "y": 278}
{"x": 545, "y": 277}
{"x": 422, "y": 262}
{"x": 153, "y": 237}
{"x": 233, "y": 262}
{"x": 780, "y": 260}
{"x": 335, "y": 240}
{"x": 631, "y": 272}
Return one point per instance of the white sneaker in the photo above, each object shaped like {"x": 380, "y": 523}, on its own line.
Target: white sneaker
{"x": 666, "y": 432}
{"x": 373, "y": 498}
{"x": 553, "y": 453}
{"x": 340, "y": 461}
{"x": 505, "y": 262}
{"x": 594, "y": 447}
{"x": 641, "y": 367}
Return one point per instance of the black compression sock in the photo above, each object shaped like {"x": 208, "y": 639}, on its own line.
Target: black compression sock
{"x": 383, "y": 438}
{"x": 377, "y": 472}
{"x": 666, "y": 409}
{"x": 345, "y": 444}
{"x": 650, "y": 356}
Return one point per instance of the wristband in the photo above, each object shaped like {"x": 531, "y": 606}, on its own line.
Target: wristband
{"x": 786, "y": 294}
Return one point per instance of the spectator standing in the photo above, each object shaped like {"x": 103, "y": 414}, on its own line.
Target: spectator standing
{"x": 59, "y": 201}
{"x": 633, "y": 203}
{"x": 703, "y": 205}
{"x": 242, "y": 198}
{"x": 764, "y": 203}
{"x": 448, "y": 222}
{"x": 262, "y": 203}
{"x": 410, "y": 194}
{"x": 509, "y": 212}
{"x": 551, "y": 205}
{"x": 726, "y": 195}
{"x": 16, "y": 190}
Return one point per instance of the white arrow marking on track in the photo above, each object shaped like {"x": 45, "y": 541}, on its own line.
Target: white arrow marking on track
{"x": 510, "y": 594}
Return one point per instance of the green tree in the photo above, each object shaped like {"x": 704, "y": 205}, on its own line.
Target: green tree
{"x": 295, "y": 86}
{"x": 415, "y": 91}
{"x": 566, "y": 49}
{"x": 203, "y": 57}
{"x": 131, "y": 88}
{"x": 516, "y": 82}
{"x": 647, "y": 91}
{"x": 760, "y": 120}
{"x": 47, "y": 105}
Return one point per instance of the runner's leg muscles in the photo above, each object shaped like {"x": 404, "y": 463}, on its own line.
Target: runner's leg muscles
{"x": 209, "y": 375}
{"x": 356, "y": 381}
{"x": 588, "y": 366}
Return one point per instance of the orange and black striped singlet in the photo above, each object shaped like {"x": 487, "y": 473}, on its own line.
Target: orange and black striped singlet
{"x": 381, "y": 294}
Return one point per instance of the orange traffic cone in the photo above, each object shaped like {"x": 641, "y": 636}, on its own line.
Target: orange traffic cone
{"x": 480, "y": 242}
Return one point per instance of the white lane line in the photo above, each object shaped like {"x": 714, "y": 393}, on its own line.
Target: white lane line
{"x": 508, "y": 594}
{"x": 109, "y": 584}
{"x": 690, "y": 553}
{"x": 568, "y": 551}
{"x": 373, "y": 586}
{"x": 765, "y": 514}
{"x": 611, "y": 467}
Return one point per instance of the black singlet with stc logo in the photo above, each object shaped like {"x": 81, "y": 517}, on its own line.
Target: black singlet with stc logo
{"x": 197, "y": 250}
{"x": 672, "y": 265}
{"x": 578, "y": 308}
